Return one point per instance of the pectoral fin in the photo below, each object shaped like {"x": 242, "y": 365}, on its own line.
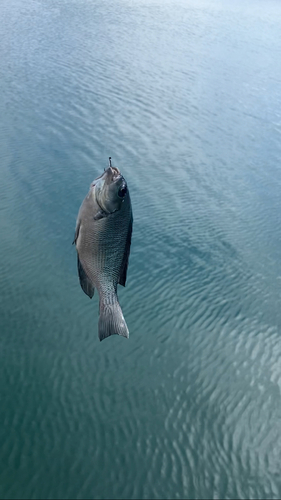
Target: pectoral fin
{"x": 125, "y": 262}
{"x": 85, "y": 283}
{"x": 100, "y": 215}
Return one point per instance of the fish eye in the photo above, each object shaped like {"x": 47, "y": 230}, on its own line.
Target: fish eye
{"x": 122, "y": 191}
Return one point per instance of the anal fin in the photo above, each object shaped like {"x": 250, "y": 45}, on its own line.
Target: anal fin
{"x": 85, "y": 283}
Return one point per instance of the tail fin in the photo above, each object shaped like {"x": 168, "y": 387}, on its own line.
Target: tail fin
{"x": 111, "y": 321}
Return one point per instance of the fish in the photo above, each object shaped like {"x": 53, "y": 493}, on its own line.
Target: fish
{"x": 103, "y": 240}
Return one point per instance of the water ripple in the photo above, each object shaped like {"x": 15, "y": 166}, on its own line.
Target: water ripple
{"x": 186, "y": 100}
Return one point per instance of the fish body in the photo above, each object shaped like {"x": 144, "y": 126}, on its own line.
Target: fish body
{"x": 103, "y": 240}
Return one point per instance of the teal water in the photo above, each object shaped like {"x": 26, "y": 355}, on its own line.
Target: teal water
{"x": 186, "y": 98}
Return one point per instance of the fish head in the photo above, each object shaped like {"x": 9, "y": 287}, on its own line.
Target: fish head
{"x": 110, "y": 190}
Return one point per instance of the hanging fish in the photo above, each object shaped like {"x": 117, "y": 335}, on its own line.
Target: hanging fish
{"x": 103, "y": 239}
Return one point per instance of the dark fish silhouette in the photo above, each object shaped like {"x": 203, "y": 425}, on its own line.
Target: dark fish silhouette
{"x": 103, "y": 240}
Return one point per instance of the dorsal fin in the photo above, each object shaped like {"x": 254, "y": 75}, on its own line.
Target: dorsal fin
{"x": 125, "y": 262}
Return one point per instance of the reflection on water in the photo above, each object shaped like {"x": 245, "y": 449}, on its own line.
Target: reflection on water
{"x": 186, "y": 99}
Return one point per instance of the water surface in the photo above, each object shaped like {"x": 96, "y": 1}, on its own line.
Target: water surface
{"x": 185, "y": 96}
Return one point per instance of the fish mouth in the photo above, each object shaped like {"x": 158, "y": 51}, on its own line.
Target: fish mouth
{"x": 112, "y": 174}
